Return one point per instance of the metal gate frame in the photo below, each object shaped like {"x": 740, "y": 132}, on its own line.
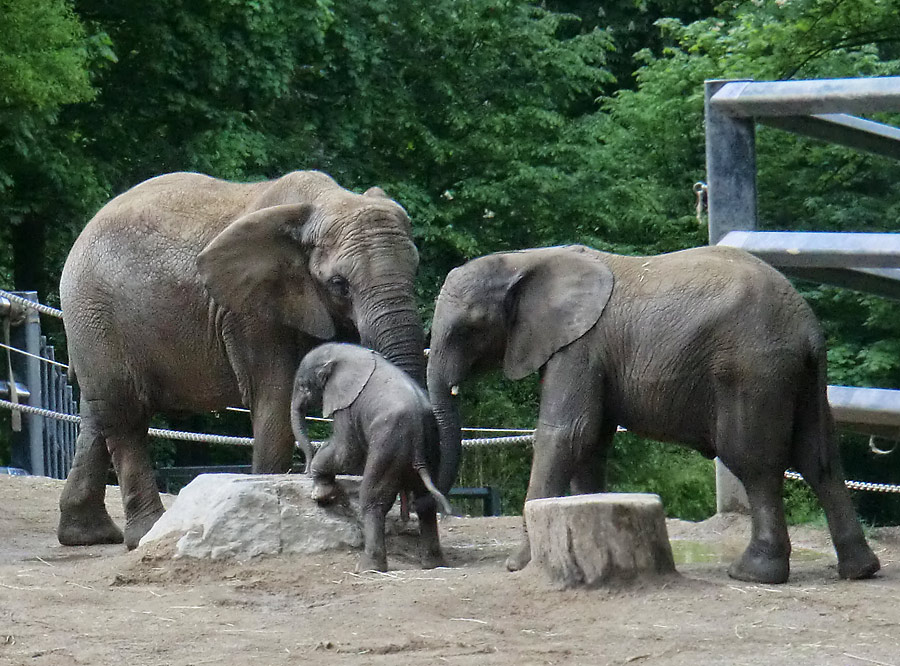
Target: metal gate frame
{"x": 861, "y": 261}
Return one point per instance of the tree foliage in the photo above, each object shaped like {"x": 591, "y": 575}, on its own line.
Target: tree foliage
{"x": 499, "y": 124}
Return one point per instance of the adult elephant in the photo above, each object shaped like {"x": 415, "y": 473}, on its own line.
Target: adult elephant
{"x": 708, "y": 347}
{"x": 190, "y": 293}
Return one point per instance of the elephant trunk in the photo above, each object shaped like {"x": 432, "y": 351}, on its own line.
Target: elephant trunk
{"x": 446, "y": 413}
{"x": 392, "y": 327}
{"x": 301, "y": 436}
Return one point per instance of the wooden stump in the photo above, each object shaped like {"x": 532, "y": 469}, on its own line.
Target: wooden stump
{"x": 596, "y": 540}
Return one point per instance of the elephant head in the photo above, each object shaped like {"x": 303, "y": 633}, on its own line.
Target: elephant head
{"x": 336, "y": 263}
{"x": 331, "y": 376}
{"x": 513, "y": 310}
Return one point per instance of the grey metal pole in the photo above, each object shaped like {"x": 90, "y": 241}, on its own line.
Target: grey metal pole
{"x": 71, "y": 428}
{"x": 730, "y": 168}
{"x": 46, "y": 369}
{"x": 59, "y": 471}
{"x": 28, "y": 445}
{"x": 731, "y": 196}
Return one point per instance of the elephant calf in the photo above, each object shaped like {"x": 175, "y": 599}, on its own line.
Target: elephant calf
{"x": 708, "y": 347}
{"x": 384, "y": 427}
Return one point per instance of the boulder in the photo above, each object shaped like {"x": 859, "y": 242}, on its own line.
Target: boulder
{"x": 241, "y": 516}
{"x": 598, "y": 540}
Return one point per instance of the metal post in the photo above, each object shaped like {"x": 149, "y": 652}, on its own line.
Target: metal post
{"x": 731, "y": 179}
{"x": 72, "y": 429}
{"x": 28, "y": 445}
{"x": 730, "y": 169}
{"x": 730, "y": 494}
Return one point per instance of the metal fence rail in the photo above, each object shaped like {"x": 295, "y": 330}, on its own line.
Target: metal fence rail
{"x": 59, "y": 436}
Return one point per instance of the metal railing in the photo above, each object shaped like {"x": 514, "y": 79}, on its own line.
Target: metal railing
{"x": 865, "y": 262}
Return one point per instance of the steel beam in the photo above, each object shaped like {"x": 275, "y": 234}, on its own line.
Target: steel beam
{"x": 23, "y": 393}
{"x": 745, "y": 99}
{"x": 730, "y": 169}
{"x": 871, "y": 410}
{"x": 807, "y": 249}
{"x": 858, "y": 133}
{"x": 880, "y": 282}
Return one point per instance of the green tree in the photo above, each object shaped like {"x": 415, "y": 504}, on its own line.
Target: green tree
{"x": 653, "y": 151}
{"x": 44, "y": 60}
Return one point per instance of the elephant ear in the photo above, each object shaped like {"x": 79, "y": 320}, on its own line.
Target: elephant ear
{"x": 556, "y": 297}
{"x": 375, "y": 191}
{"x": 260, "y": 264}
{"x": 346, "y": 382}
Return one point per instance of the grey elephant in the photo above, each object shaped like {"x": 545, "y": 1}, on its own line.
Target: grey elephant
{"x": 190, "y": 293}
{"x": 383, "y": 428}
{"x": 708, "y": 347}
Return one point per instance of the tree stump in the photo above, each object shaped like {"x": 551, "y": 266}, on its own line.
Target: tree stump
{"x": 598, "y": 540}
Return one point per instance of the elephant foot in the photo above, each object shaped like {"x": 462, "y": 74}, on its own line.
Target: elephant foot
{"x": 135, "y": 529}
{"x": 520, "y": 559}
{"x": 861, "y": 564}
{"x": 757, "y": 566}
{"x": 87, "y": 528}
{"x": 432, "y": 560}
{"x": 369, "y": 563}
{"x": 325, "y": 492}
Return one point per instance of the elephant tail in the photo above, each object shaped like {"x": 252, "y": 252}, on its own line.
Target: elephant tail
{"x": 442, "y": 501}
{"x": 814, "y": 438}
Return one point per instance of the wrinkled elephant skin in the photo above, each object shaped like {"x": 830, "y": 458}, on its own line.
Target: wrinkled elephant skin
{"x": 188, "y": 293}
{"x": 708, "y": 347}
{"x": 383, "y": 427}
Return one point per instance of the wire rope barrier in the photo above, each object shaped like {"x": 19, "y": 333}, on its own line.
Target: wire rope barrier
{"x": 34, "y": 356}
{"x": 34, "y": 305}
{"x": 523, "y": 436}
{"x": 484, "y": 441}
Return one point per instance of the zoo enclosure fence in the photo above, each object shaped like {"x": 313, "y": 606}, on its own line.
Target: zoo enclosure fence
{"x": 44, "y": 445}
{"x": 865, "y": 262}
{"x": 44, "y": 410}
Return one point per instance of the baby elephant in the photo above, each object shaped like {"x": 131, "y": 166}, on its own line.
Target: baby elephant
{"x": 384, "y": 428}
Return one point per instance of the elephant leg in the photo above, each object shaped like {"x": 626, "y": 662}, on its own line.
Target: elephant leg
{"x": 569, "y": 426}
{"x": 430, "y": 554}
{"x": 323, "y": 469}
{"x": 83, "y": 518}
{"x": 824, "y": 473}
{"x": 273, "y": 439}
{"x": 264, "y": 362}
{"x": 767, "y": 557}
{"x": 589, "y": 475}
{"x": 137, "y": 482}
{"x": 377, "y": 492}
{"x": 753, "y": 433}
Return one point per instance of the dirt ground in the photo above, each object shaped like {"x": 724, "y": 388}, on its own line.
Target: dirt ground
{"x": 100, "y": 605}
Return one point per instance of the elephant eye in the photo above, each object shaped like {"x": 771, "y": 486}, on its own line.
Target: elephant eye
{"x": 339, "y": 285}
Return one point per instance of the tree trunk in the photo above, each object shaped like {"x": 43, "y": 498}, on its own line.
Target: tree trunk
{"x": 598, "y": 540}
{"x": 29, "y": 240}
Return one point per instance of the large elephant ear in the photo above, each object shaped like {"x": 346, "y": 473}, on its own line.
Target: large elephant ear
{"x": 260, "y": 264}
{"x": 347, "y": 380}
{"x": 557, "y": 296}
{"x": 375, "y": 191}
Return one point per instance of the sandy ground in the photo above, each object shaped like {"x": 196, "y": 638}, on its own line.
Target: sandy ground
{"x": 101, "y": 605}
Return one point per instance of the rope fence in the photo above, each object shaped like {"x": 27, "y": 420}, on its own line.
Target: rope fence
{"x": 484, "y": 441}
{"x": 524, "y": 436}
{"x": 40, "y": 307}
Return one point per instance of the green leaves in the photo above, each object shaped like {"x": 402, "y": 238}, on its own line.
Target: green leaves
{"x": 43, "y": 62}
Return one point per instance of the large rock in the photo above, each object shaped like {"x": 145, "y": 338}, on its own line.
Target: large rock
{"x": 241, "y": 516}
{"x": 598, "y": 540}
